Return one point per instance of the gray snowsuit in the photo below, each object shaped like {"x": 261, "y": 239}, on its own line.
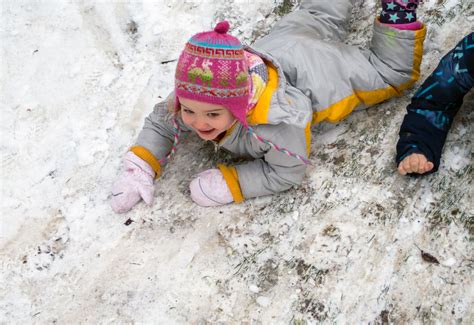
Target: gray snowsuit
{"x": 313, "y": 76}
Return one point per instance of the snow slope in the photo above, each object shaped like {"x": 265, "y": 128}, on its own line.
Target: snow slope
{"x": 77, "y": 79}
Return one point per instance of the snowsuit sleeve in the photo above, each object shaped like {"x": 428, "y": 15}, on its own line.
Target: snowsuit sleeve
{"x": 433, "y": 107}
{"x": 156, "y": 138}
{"x": 271, "y": 171}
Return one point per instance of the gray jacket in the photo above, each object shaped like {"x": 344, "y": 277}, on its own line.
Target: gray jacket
{"x": 319, "y": 78}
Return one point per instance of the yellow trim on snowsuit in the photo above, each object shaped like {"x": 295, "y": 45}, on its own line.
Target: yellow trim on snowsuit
{"x": 344, "y": 107}
{"x": 146, "y": 155}
{"x": 307, "y": 133}
{"x": 232, "y": 179}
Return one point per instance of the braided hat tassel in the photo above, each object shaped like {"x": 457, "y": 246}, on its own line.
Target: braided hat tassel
{"x": 176, "y": 142}
{"x": 176, "y": 134}
{"x": 276, "y": 147}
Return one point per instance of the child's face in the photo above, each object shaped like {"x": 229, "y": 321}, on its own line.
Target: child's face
{"x": 208, "y": 120}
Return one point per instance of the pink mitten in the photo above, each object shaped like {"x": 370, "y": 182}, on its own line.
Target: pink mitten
{"x": 209, "y": 188}
{"x": 135, "y": 183}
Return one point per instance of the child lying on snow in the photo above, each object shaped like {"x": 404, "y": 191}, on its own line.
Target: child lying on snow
{"x": 258, "y": 102}
{"x": 432, "y": 109}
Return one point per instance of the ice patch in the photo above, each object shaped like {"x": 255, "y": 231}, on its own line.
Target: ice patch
{"x": 449, "y": 262}
{"x": 253, "y": 288}
{"x": 263, "y": 301}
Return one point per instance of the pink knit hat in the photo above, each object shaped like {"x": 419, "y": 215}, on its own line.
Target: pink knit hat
{"x": 212, "y": 68}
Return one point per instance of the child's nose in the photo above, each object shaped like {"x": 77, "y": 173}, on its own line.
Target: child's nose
{"x": 200, "y": 123}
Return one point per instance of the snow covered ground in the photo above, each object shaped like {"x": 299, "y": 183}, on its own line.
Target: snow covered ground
{"x": 77, "y": 79}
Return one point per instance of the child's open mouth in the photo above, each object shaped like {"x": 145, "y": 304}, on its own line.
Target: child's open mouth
{"x": 206, "y": 132}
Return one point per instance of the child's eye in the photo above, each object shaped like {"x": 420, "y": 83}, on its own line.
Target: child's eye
{"x": 213, "y": 114}
{"x": 187, "y": 111}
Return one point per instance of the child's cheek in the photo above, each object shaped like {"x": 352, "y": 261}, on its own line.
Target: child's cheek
{"x": 184, "y": 118}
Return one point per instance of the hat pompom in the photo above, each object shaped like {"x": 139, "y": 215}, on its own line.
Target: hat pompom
{"x": 222, "y": 27}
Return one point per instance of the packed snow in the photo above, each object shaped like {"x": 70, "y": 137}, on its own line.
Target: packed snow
{"x": 78, "y": 77}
